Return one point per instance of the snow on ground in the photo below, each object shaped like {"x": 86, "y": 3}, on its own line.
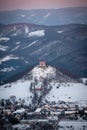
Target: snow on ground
{"x": 19, "y": 110}
{"x": 16, "y": 32}
{"x": 7, "y": 69}
{"x": 23, "y": 15}
{"x": 38, "y": 33}
{"x": 20, "y": 89}
{"x": 3, "y": 48}
{"x": 26, "y": 29}
{"x": 17, "y": 43}
{"x": 7, "y": 58}
{"x": 34, "y": 42}
{"x": 21, "y": 126}
{"x": 63, "y": 125}
{"x": 60, "y": 31}
{"x": 32, "y": 15}
{"x": 5, "y": 39}
{"x": 72, "y": 125}
{"x": 15, "y": 48}
{"x": 14, "y": 28}
{"x": 31, "y": 44}
{"x": 73, "y": 92}
{"x": 84, "y": 80}
{"x": 47, "y": 15}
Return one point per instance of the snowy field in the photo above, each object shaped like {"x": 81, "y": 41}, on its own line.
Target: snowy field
{"x": 68, "y": 92}
{"x": 20, "y": 89}
{"x": 72, "y": 125}
{"x": 73, "y": 92}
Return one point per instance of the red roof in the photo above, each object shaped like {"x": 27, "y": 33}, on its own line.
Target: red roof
{"x": 37, "y": 89}
{"x": 42, "y": 63}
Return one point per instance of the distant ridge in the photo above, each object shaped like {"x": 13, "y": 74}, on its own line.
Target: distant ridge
{"x": 60, "y": 16}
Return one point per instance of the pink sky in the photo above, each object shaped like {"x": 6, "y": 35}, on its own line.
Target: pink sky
{"x": 37, "y": 4}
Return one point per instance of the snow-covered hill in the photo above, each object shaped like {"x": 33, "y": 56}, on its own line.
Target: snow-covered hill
{"x": 72, "y": 92}
{"x": 68, "y": 92}
{"x": 20, "y": 89}
{"x": 64, "y": 91}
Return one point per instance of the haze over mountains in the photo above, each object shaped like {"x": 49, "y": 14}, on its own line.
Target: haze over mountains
{"x": 63, "y": 45}
{"x": 46, "y": 16}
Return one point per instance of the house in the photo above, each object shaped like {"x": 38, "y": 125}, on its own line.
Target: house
{"x": 42, "y": 64}
{"x": 36, "y": 87}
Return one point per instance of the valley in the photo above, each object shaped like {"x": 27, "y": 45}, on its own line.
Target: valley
{"x": 43, "y": 69}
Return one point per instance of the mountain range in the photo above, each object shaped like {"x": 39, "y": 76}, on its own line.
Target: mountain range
{"x": 23, "y": 45}
{"x": 75, "y": 15}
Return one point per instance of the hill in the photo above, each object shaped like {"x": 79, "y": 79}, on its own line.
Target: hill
{"x": 75, "y": 15}
{"x": 23, "y": 45}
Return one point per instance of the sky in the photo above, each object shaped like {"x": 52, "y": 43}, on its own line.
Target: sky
{"x": 39, "y": 4}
